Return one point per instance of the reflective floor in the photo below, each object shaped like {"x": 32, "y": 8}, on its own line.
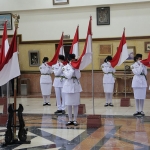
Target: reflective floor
{"x": 119, "y": 129}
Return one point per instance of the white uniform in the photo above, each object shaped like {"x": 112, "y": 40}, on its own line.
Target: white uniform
{"x": 45, "y": 79}
{"x": 72, "y": 86}
{"x": 108, "y": 78}
{"x": 58, "y": 84}
{"x": 139, "y": 83}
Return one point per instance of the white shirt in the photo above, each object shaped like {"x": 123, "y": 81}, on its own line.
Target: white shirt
{"x": 59, "y": 76}
{"x": 72, "y": 83}
{"x": 108, "y": 73}
{"x": 138, "y": 79}
{"x": 45, "y": 73}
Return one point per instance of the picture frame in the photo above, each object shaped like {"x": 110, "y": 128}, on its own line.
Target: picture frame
{"x": 103, "y": 15}
{"x": 34, "y": 58}
{"x": 131, "y": 53}
{"x": 60, "y": 2}
{"x": 105, "y": 50}
{"x": 147, "y": 47}
{"x": 6, "y": 17}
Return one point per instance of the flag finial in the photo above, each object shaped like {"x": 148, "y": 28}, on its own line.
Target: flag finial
{"x": 124, "y": 29}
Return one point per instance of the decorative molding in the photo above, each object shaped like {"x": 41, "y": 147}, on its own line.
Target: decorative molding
{"x": 81, "y": 40}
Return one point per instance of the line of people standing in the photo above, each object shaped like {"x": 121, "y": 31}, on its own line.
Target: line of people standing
{"x": 66, "y": 83}
{"x": 139, "y": 82}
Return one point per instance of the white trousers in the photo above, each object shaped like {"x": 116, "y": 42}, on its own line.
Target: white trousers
{"x": 60, "y": 99}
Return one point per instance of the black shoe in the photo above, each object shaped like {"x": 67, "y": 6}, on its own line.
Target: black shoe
{"x": 48, "y": 104}
{"x": 142, "y": 113}
{"x": 137, "y": 113}
{"x": 58, "y": 111}
{"x": 110, "y": 104}
{"x": 70, "y": 123}
{"x": 44, "y": 104}
{"x": 63, "y": 111}
{"x": 75, "y": 123}
{"x": 106, "y": 105}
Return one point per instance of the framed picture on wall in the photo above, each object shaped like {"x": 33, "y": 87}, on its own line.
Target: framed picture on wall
{"x": 34, "y": 58}
{"x": 60, "y": 2}
{"x": 147, "y": 47}
{"x": 105, "y": 49}
{"x": 8, "y": 18}
{"x": 131, "y": 53}
{"x": 103, "y": 15}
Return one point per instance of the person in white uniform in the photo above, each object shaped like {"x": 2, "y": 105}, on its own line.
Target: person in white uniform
{"x": 58, "y": 84}
{"x": 46, "y": 81}
{"x": 139, "y": 84}
{"x": 108, "y": 80}
{"x": 72, "y": 89}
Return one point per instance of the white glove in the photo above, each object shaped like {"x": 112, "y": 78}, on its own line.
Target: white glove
{"x": 109, "y": 64}
{"x": 61, "y": 64}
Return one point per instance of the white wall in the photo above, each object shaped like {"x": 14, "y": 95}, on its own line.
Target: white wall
{"x": 18, "y": 5}
{"x": 48, "y": 24}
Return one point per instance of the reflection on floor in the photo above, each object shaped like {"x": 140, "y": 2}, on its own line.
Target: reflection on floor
{"x": 117, "y": 133}
{"x": 35, "y": 106}
{"x": 119, "y": 129}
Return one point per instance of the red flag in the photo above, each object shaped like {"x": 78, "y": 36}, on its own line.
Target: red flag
{"x": 146, "y": 62}
{"x": 58, "y": 51}
{"x": 9, "y": 68}
{"x": 85, "y": 58}
{"x": 5, "y": 45}
{"x": 121, "y": 54}
{"x": 75, "y": 44}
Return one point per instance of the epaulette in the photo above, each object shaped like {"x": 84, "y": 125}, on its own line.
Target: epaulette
{"x": 132, "y": 67}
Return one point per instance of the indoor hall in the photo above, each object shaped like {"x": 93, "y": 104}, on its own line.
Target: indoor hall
{"x": 68, "y": 27}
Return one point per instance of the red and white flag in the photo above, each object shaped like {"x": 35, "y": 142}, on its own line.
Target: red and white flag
{"x": 59, "y": 51}
{"x": 75, "y": 44}
{"x": 121, "y": 54}
{"x": 9, "y": 68}
{"x": 5, "y": 44}
{"x": 146, "y": 62}
{"x": 86, "y": 56}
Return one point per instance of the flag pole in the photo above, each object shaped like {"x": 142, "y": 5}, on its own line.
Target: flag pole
{"x": 16, "y": 22}
{"x": 7, "y": 93}
{"x": 125, "y": 80}
{"x": 92, "y": 74}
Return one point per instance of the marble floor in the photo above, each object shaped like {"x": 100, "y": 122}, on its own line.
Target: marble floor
{"x": 119, "y": 130}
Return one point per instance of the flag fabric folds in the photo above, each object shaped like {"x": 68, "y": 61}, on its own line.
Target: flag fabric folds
{"x": 58, "y": 51}
{"x": 86, "y": 57}
{"x": 75, "y": 44}
{"x": 9, "y": 68}
{"x": 146, "y": 62}
{"x": 5, "y": 44}
{"x": 121, "y": 54}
